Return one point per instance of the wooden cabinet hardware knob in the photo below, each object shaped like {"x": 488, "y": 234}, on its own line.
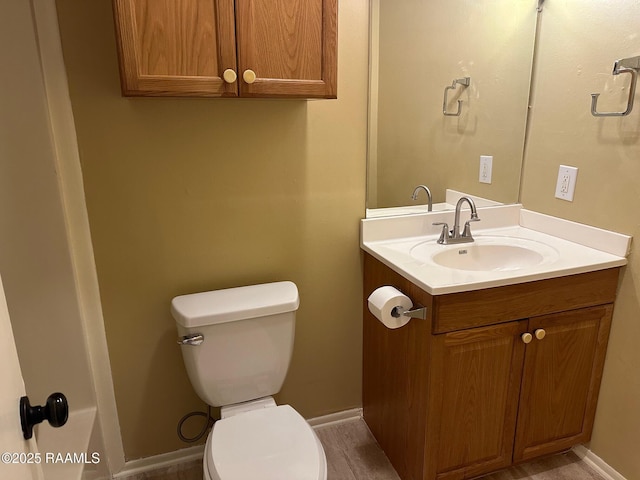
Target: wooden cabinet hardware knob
{"x": 526, "y": 337}
{"x": 229, "y": 75}
{"x": 540, "y": 333}
{"x": 249, "y": 76}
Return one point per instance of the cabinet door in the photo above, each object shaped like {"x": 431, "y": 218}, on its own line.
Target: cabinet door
{"x": 561, "y": 380}
{"x": 176, "y": 47}
{"x": 475, "y": 387}
{"x": 290, "y": 46}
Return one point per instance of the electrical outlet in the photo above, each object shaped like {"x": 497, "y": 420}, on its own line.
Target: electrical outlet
{"x": 566, "y": 184}
{"x": 486, "y": 166}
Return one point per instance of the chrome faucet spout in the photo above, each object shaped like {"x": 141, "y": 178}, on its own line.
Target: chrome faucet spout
{"x": 467, "y": 228}
{"x": 454, "y": 236}
{"x": 414, "y": 196}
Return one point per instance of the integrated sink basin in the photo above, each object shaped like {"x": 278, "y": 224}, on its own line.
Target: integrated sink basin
{"x": 488, "y": 253}
{"x": 488, "y": 257}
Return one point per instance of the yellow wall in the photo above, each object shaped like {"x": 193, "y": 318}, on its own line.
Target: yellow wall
{"x": 579, "y": 41}
{"x": 186, "y": 195}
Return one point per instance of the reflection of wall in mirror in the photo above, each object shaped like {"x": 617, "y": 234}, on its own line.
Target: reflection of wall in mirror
{"x": 418, "y": 49}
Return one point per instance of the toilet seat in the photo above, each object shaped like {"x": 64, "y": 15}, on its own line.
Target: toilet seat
{"x": 273, "y": 443}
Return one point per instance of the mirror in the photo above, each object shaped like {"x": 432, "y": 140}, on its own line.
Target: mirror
{"x": 422, "y": 50}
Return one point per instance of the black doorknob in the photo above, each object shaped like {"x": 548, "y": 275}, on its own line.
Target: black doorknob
{"x": 56, "y": 411}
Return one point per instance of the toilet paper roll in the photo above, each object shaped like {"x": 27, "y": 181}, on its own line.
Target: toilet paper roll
{"x": 382, "y": 303}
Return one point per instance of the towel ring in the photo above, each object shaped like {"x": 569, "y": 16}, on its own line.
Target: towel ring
{"x": 632, "y": 94}
{"x": 625, "y": 65}
{"x": 465, "y": 83}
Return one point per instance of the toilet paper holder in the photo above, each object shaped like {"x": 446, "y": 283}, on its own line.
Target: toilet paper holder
{"x": 418, "y": 312}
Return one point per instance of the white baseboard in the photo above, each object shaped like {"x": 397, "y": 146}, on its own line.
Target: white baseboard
{"x": 165, "y": 460}
{"x": 333, "y": 418}
{"x": 595, "y": 462}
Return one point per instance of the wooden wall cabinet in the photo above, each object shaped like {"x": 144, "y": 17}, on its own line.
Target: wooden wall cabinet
{"x": 222, "y": 48}
{"x": 464, "y": 394}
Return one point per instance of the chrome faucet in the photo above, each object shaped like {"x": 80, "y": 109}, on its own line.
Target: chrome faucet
{"x": 414, "y": 196}
{"x": 454, "y": 236}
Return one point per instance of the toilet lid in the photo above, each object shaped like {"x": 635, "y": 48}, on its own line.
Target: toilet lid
{"x": 273, "y": 443}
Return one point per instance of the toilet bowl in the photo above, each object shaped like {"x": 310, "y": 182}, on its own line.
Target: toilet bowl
{"x": 236, "y": 345}
{"x": 272, "y": 443}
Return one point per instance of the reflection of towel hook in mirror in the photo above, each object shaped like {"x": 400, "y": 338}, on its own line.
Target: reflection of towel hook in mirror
{"x": 462, "y": 81}
{"x": 625, "y": 65}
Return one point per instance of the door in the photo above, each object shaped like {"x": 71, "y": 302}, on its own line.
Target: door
{"x": 477, "y": 386}
{"x": 561, "y": 380}
{"x": 20, "y": 458}
{"x": 287, "y": 48}
{"x": 176, "y": 47}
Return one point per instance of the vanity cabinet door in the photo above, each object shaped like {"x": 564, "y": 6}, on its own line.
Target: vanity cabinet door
{"x": 475, "y": 389}
{"x": 561, "y": 380}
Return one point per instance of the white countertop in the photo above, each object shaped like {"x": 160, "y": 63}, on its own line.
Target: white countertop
{"x": 570, "y": 248}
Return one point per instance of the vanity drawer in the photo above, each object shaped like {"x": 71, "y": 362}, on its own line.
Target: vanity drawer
{"x": 457, "y": 311}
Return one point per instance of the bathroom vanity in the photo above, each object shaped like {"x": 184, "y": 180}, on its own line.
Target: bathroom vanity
{"x": 507, "y": 365}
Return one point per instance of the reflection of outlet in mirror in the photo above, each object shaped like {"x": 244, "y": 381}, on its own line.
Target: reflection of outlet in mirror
{"x": 486, "y": 165}
{"x": 566, "y": 184}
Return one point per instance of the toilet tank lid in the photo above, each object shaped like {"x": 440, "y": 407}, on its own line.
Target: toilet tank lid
{"x": 230, "y": 304}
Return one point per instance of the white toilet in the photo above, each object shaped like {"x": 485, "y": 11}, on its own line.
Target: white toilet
{"x": 236, "y": 345}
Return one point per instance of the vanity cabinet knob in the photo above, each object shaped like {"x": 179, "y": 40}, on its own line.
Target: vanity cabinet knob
{"x": 540, "y": 333}
{"x": 229, "y": 75}
{"x": 526, "y": 337}
{"x": 249, "y": 76}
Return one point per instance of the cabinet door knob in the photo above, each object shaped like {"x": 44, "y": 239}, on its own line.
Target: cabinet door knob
{"x": 249, "y": 76}
{"x": 229, "y": 75}
{"x": 540, "y": 333}
{"x": 526, "y": 337}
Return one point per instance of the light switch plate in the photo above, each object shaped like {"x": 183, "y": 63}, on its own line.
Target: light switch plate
{"x": 566, "y": 184}
{"x": 486, "y": 166}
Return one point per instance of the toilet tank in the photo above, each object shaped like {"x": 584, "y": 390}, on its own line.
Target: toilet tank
{"x": 248, "y": 340}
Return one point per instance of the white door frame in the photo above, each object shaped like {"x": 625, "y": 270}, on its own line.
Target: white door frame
{"x": 77, "y": 225}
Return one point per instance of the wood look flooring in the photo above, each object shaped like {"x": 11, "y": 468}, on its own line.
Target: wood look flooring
{"x": 565, "y": 466}
{"x": 353, "y": 454}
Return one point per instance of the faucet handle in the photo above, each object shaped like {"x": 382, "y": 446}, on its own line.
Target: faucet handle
{"x": 444, "y": 235}
{"x": 467, "y": 228}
